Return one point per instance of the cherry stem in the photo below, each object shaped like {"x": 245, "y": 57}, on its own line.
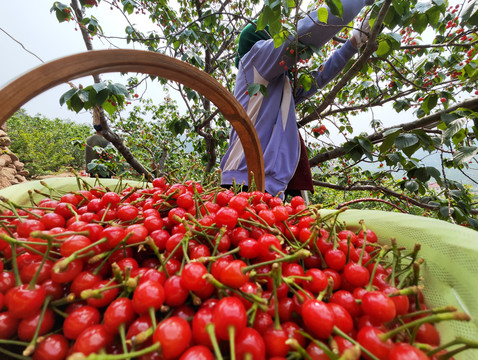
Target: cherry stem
{"x": 276, "y": 276}
{"x": 250, "y": 297}
{"x": 346, "y": 337}
{"x": 14, "y": 342}
{"x": 430, "y": 311}
{"x": 12, "y": 355}
{"x": 329, "y": 353}
{"x": 421, "y": 321}
{"x": 133, "y": 354}
{"x": 152, "y": 315}
{"x": 294, "y": 344}
{"x": 297, "y": 255}
{"x": 364, "y": 242}
{"x": 379, "y": 257}
{"x": 34, "y": 279}
{"x": 232, "y": 330}
{"x": 155, "y": 249}
{"x": 215, "y": 345}
{"x": 470, "y": 344}
{"x": 122, "y": 333}
{"x": 63, "y": 264}
{"x": 31, "y": 347}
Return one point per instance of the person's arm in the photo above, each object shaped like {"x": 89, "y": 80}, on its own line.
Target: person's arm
{"x": 271, "y": 62}
{"x": 332, "y": 67}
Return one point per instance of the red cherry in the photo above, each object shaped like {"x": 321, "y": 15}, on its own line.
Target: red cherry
{"x": 368, "y": 338}
{"x": 53, "y": 347}
{"x": 192, "y": 276}
{"x": 92, "y": 340}
{"x": 8, "y": 325}
{"x": 23, "y": 301}
{"x": 174, "y": 335}
{"x": 197, "y": 352}
{"x": 149, "y": 294}
{"x": 119, "y": 312}
{"x": 232, "y": 274}
{"x": 378, "y": 306}
{"x": 28, "y": 326}
{"x": 318, "y": 318}
{"x": 404, "y": 351}
{"x": 229, "y": 312}
{"x": 227, "y": 217}
{"x": 79, "y": 320}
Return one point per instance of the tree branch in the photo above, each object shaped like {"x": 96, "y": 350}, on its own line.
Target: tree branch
{"x": 383, "y": 190}
{"x": 429, "y": 121}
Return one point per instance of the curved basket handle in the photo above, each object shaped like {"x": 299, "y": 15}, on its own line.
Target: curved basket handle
{"x": 56, "y": 72}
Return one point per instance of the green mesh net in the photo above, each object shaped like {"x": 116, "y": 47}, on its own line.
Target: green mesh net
{"x": 450, "y": 270}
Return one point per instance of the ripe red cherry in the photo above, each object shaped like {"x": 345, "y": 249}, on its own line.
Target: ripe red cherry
{"x": 28, "y": 326}
{"x": 8, "y": 325}
{"x": 53, "y": 347}
{"x": 202, "y": 317}
{"x": 275, "y": 342}
{"x": 23, "y": 301}
{"x": 232, "y": 274}
{"x": 229, "y": 313}
{"x": 92, "y": 340}
{"x": 404, "y": 351}
{"x": 378, "y": 306}
{"x": 318, "y": 318}
{"x": 25, "y": 227}
{"x": 79, "y": 320}
{"x": 197, "y": 352}
{"x": 192, "y": 276}
{"x": 368, "y": 338}
{"x": 226, "y": 216}
{"x": 119, "y": 312}
{"x": 356, "y": 274}
{"x": 149, "y": 294}
{"x": 174, "y": 335}
{"x": 428, "y": 334}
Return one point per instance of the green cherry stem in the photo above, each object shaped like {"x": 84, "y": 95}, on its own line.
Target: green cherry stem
{"x": 295, "y": 256}
{"x": 232, "y": 331}
{"x": 215, "y": 345}
{"x": 470, "y": 344}
{"x": 329, "y": 353}
{"x": 346, "y": 337}
{"x": 421, "y": 321}
{"x": 31, "y": 347}
{"x": 131, "y": 355}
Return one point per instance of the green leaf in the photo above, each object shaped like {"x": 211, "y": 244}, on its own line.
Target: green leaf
{"x": 445, "y": 212}
{"x": 420, "y": 23}
{"x": 306, "y": 81}
{"x": 118, "y": 89}
{"x": 336, "y": 7}
{"x": 405, "y": 140}
{"x": 67, "y": 96}
{"x": 366, "y": 146}
{"x": 99, "y": 86}
{"x": 429, "y": 102}
{"x": 383, "y": 48}
{"x": 454, "y": 127}
{"x": 75, "y": 103}
{"x": 410, "y": 150}
{"x": 254, "y": 88}
{"x": 411, "y": 185}
{"x": 434, "y": 172}
{"x": 470, "y": 13}
{"x": 323, "y": 14}
{"x": 464, "y": 154}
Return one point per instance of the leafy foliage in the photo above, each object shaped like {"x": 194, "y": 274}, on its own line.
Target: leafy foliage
{"x": 45, "y": 145}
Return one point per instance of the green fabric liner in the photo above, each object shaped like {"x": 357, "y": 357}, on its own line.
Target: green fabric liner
{"x": 450, "y": 270}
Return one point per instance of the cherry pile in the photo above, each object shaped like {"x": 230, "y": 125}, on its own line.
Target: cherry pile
{"x": 178, "y": 271}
